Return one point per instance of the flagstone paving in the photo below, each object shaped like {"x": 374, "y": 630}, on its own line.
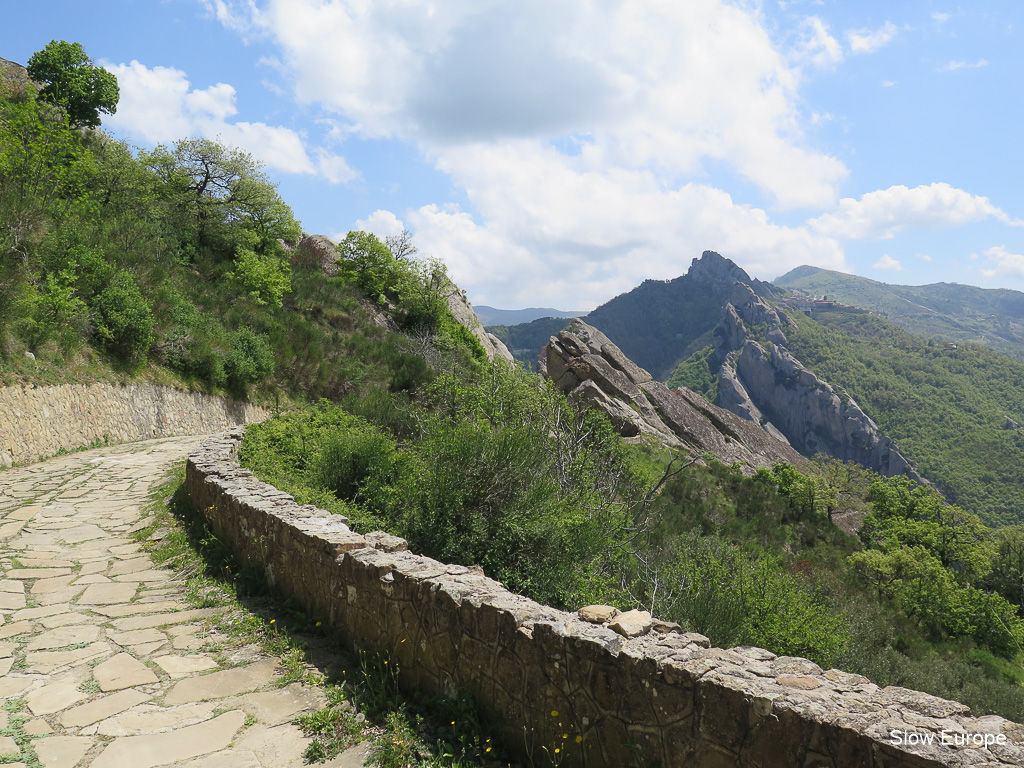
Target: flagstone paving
{"x": 100, "y": 656}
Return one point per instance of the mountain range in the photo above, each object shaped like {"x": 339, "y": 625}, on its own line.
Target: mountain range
{"x": 493, "y": 316}
{"x": 904, "y": 380}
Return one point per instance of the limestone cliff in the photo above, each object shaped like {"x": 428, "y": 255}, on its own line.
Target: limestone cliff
{"x": 585, "y": 364}
{"x": 763, "y": 383}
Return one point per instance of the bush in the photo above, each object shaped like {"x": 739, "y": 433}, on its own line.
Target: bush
{"x": 265, "y": 278}
{"x": 123, "y": 320}
{"x": 361, "y": 464}
{"x": 736, "y": 597}
{"x": 55, "y": 313}
{"x": 189, "y": 345}
{"x": 250, "y": 360}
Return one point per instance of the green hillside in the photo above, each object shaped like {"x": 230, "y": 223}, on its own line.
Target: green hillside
{"x": 952, "y": 411}
{"x": 184, "y": 265}
{"x": 525, "y": 340}
{"x": 504, "y": 317}
{"x": 944, "y": 311}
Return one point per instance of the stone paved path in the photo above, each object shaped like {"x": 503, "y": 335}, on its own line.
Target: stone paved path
{"x": 98, "y": 648}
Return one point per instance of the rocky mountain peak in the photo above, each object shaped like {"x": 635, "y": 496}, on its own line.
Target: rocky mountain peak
{"x": 713, "y": 267}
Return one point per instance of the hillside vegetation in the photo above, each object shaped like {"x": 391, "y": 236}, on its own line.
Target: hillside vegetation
{"x": 172, "y": 265}
{"x": 944, "y": 311}
{"x": 952, "y": 411}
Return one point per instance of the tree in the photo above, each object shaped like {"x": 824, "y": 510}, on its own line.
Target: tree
{"x": 42, "y": 172}
{"x": 265, "y": 277}
{"x": 224, "y": 190}
{"x": 368, "y": 263}
{"x": 123, "y": 319}
{"x": 74, "y": 83}
{"x": 844, "y": 484}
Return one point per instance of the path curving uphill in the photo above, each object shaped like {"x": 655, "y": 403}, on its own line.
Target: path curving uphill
{"x": 102, "y": 662}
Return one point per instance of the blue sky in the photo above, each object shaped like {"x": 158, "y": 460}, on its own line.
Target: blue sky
{"x": 559, "y": 153}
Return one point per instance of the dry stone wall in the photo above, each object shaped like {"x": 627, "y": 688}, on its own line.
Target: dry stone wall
{"x": 40, "y": 421}
{"x": 554, "y": 680}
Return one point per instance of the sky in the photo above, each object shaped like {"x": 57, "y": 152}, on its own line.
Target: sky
{"x": 559, "y": 152}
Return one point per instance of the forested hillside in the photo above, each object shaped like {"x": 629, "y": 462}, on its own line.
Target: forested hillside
{"x": 183, "y": 264}
{"x": 944, "y": 311}
{"x": 955, "y": 412}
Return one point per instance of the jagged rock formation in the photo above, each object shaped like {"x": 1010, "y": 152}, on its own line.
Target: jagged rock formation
{"x": 765, "y": 384}
{"x": 715, "y": 270}
{"x": 462, "y": 311}
{"x": 585, "y": 364}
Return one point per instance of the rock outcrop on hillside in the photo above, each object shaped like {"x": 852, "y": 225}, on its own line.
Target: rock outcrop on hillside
{"x": 319, "y": 251}
{"x": 719, "y": 273}
{"x": 585, "y": 364}
{"x": 14, "y": 78}
{"x": 766, "y": 385}
{"x": 462, "y": 311}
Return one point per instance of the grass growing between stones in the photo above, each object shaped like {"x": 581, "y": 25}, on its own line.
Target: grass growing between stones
{"x": 15, "y": 728}
{"x": 364, "y": 699}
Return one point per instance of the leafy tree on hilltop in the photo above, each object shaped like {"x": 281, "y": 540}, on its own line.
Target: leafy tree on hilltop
{"x": 74, "y": 82}
{"x": 220, "y": 189}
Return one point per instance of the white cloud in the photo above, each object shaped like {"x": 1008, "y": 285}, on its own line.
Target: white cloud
{"x": 869, "y": 41}
{"x": 888, "y": 262}
{"x": 1006, "y": 264}
{"x": 924, "y": 257}
{"x": 663, "y": 87}
{"x": 883, "y": 213}
{"x": 547, "y": 230}
{"x": 953, "y": 66}
{"x": 816, "y": 45}
{"x": 229, "y": 15}
{"x": 381, "y": 223}
{"x": 889, "y": 83}
{"x": 941, "y": 18}
{"x": 159, "y": 105}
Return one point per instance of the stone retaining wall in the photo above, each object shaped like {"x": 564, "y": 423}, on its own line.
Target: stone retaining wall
{"x": 40, "y": 421}
{"x": 555, "y": 681}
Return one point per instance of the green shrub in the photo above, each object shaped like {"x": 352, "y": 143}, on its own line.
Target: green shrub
{"x": 360, "y": 464}
{"x": 736, "y": 597}
{"x": 189, "y": 345}
{"x": 123, "y": 320}
{"x": 250, "y": 359}
{"x": 264, "y": 277}
{"x": 54, "y": 313}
